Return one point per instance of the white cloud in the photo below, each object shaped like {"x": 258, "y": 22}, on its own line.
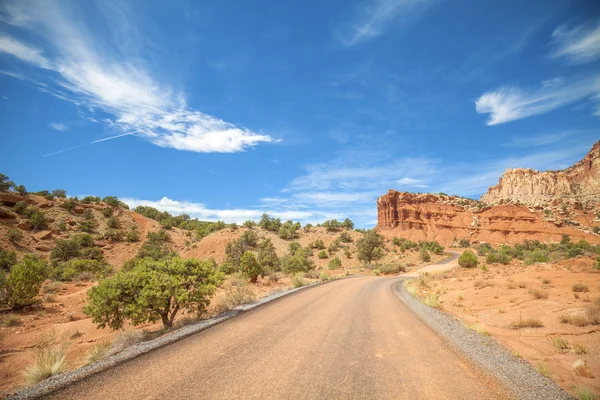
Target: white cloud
{"x": 374, "y": 18}
{"x": 554, "y": 82}
{"x": 409, "y": 181}
{"x": 59, "y": 127}
{"x": 579, "y": 45}
{"x": 546, "y": 139}
{"x": 97, "y": 77}
{"x": 511, "y": 103}
{"x": 24, "y": 52}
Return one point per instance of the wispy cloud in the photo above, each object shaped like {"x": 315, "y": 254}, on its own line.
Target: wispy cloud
{"x": 375, "y": 17}
{"x": 512, "y": 103}
{"x": 547, "y": 138}
{"x": 92, "y": 76}
{"x": 578, "y": 45}
{"x": 409, "y": 181}
{"x": 58, "y": 126}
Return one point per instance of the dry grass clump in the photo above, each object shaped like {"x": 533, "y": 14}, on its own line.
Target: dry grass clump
{"x": 50, "y": 358}
{"x": 538, "y": 293}
{"x": 482, "y": 283}
{"x": 543, "y": 369}
{"x": 577, "y": 320}
{"x": 585, "y": 393}
{"x": 560, "y": 344}
{"x": 592, "y": 312}
{"x": 98, "y": 352}
{"x": 11, "y": 320}
{"x": 579, "y": 348}
{"x": 237, "y": 292}
{"x": 106, "y": 348}
{"x": 580, "y": 287}
{"x": 477, "y": 327}
{"x": 527, "y": 323}
{"x": 432, "y": 300}
{"x": 298, "y": 280}
{"x": 51, "y": 287}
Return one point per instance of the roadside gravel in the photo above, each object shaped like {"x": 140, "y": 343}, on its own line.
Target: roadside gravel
{"x": 516, "y": 374}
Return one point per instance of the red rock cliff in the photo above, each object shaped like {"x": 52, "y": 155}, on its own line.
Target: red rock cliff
{"x": 580, "y": 181}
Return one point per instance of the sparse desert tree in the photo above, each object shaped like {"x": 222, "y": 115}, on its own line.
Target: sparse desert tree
{"x": 348, "y": 224}
{"x": 24, "y": 281}
{"x": 59, "y": 193}
{"x": 65, "y": 250}
{"x": 468, "y": 260}
{"x": 297, "y": 261}
{"x": 152, "y": 291}
{"x": 21, "y": 190}
{"x": 37, "y": 220}
{"x": 267, "y": 256}
{"x": 249, "y": 224}
{"x": 249, "y": 267}
{"x": 5, "y": 182}
{"x": 370, "y": 247}
{"x": 270, "y": 224}
{"x": 345, "y": 237}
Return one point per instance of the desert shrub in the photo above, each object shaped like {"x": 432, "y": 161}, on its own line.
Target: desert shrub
{"x": 84, "y": 240}
{"x": 559, "y": 344}
{"x": 289, "y": 230}
{"x": 297, "y": 261}
{"x": 592, "y": 312}
{"x": 59, "y": 193}
{"x": 494, "y": 257}
{"x": 468, "y": 260}
{"x": 249, "y": 224}
{"x": 267, "y": 256}
{"x": 157, "y": 246}
{"x": 270, "y": 224}
{"x": 113, "y": 201}
{"x": 317, "y": 244}
{"x": 87, "y": 214}
{"x": 348, "y": 224}
{"x": 333, "y": 247}
{"x": 50, "y": 358}
{"x": 11, "y": 319}
{"x": 236, "y": 294}
{"x": 526, "y": 323}
{"x": 322, "y": 254}
{"x": 133, "y": 235}
{"x": 108, "y": 212}
{"x": 87, "y": 225}
{"x": 69, "y": 270}
{"x": 91, "y": 199}
{"x": 464, "y": 243}
{"x": 538, "y": 293}
{"x": 14, "y": 235}
{"x": 5, "y": 182}
{"x": 580, "y": 287}
{"x": 537, "y": 255}
{"x": 115, "y": 235}
{"x": 249, "y": 238}
{"x": 424, "y": 254}
{"x": 21, "y": 190}
{"x": 20, "y": 207}
{"x": 7, "y": 259}
{"x": 62, "y": 225}
{"x": 347, "y": 252}
{"x": 298, "y": 280}
{"x": 69, "y": 204}
{"x": 392, "y": 269}
{"x": 37, "y": 220}
{"x": 332, "y": 225}
{"x": 396, "y": 241}
{"x": 92, "y": 253}
{"x": 432, "y": 300}
{"x": 249, "y": 267}
{"x": 432, "y": 246}
{"x": 370, "y": 247}
{"x": 65, "y": 250}
{"x": 153, "y": 290}
{"x": 335, "y": 263}
{"x": 307, "y": 227}
{"x": 24, "y": 281}
{"x": 483, "y": 249}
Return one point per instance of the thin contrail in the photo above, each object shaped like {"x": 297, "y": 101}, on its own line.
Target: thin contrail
{"x": 87, "y": 144}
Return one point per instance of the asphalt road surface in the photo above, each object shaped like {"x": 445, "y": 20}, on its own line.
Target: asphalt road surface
{"x": 348, "y": 339}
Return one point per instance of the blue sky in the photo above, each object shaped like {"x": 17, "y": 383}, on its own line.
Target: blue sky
{"x": 306, "y": 110}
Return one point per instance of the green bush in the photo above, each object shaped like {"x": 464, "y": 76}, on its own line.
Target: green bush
{"x": 370, "y": 247}
{"x": 14, "y": 235}
{"x": 396, "y": 241}
{"x": 270, "y": 224}
{"x": 267, "y": 256}
{"x": 87, "y": 225}
{"x": 37, "y": 220}
{"x": 347, "y": 224}
{"x": 152, "y": 291}
{"x": 307, "y": 227}
{"x": 5, "y": 182}
{"x": 464, "y": 243}
{"x": 345, "y": 237}
{"x": 495, "y": 257}
{"x": 322, "y": 254}
{"x": 88, "y": 214}
{"x": 537, "y": 255}
{"x": 484, "y": 249}
{"x": 113, "y": 223}
{"x": 108, "y": 212}
{"x": 91, "y": 199}
{"x": 249, "y": 238}
{"x": 335, "y": 263}
{"x": 69, "y": 270}
{"x": 317, "y": 244}
{"x": 157, "y": 246}
{"x": 59, "y": 193}
{"x": 249, "y": 224}
{"x": 21, "y": 190}
{"x": 424, "y": 254}
{"x": 20, "y": 207}
{"x": 92, "y": 253}
{"x": 333, "y": 246}
{"x": 114, "y": 235}
{"x": 7, "y": 259}
{"x": 65, "y": 250}
{"x": 24, "y": 281}
{"x": 132, "y": 235}
{"x": 468, "y": 260}
{"x": 84, "y": 240}
{"x": 332, "y": 225}
{"x": 249, "y": 267}
{"x": 387, "y": 269}
{"x": 289, "y": 230}
{"x": 296, "y": 262}
{"x": 69, "y": 204}
{"x": 62, "y": 224}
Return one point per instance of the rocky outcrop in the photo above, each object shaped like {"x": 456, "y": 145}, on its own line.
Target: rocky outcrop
{"x": 446, "y": 218}
{"x": 527, "y": 186}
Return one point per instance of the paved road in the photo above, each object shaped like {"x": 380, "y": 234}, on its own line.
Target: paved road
{"x": 348, "y": 339}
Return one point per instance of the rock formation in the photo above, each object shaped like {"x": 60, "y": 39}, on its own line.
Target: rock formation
{"x": 527, "y": 186}
{"x": 446, "y": 218}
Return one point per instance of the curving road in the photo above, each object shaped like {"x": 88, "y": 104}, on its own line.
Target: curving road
{"x": 348, "y": 339}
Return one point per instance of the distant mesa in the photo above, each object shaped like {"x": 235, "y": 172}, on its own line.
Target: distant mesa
{"x": 525, "y": 205}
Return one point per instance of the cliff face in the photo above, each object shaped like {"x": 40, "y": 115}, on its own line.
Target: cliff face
{"x": 443, "y": 218}
{"x": 528, "y": 186}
